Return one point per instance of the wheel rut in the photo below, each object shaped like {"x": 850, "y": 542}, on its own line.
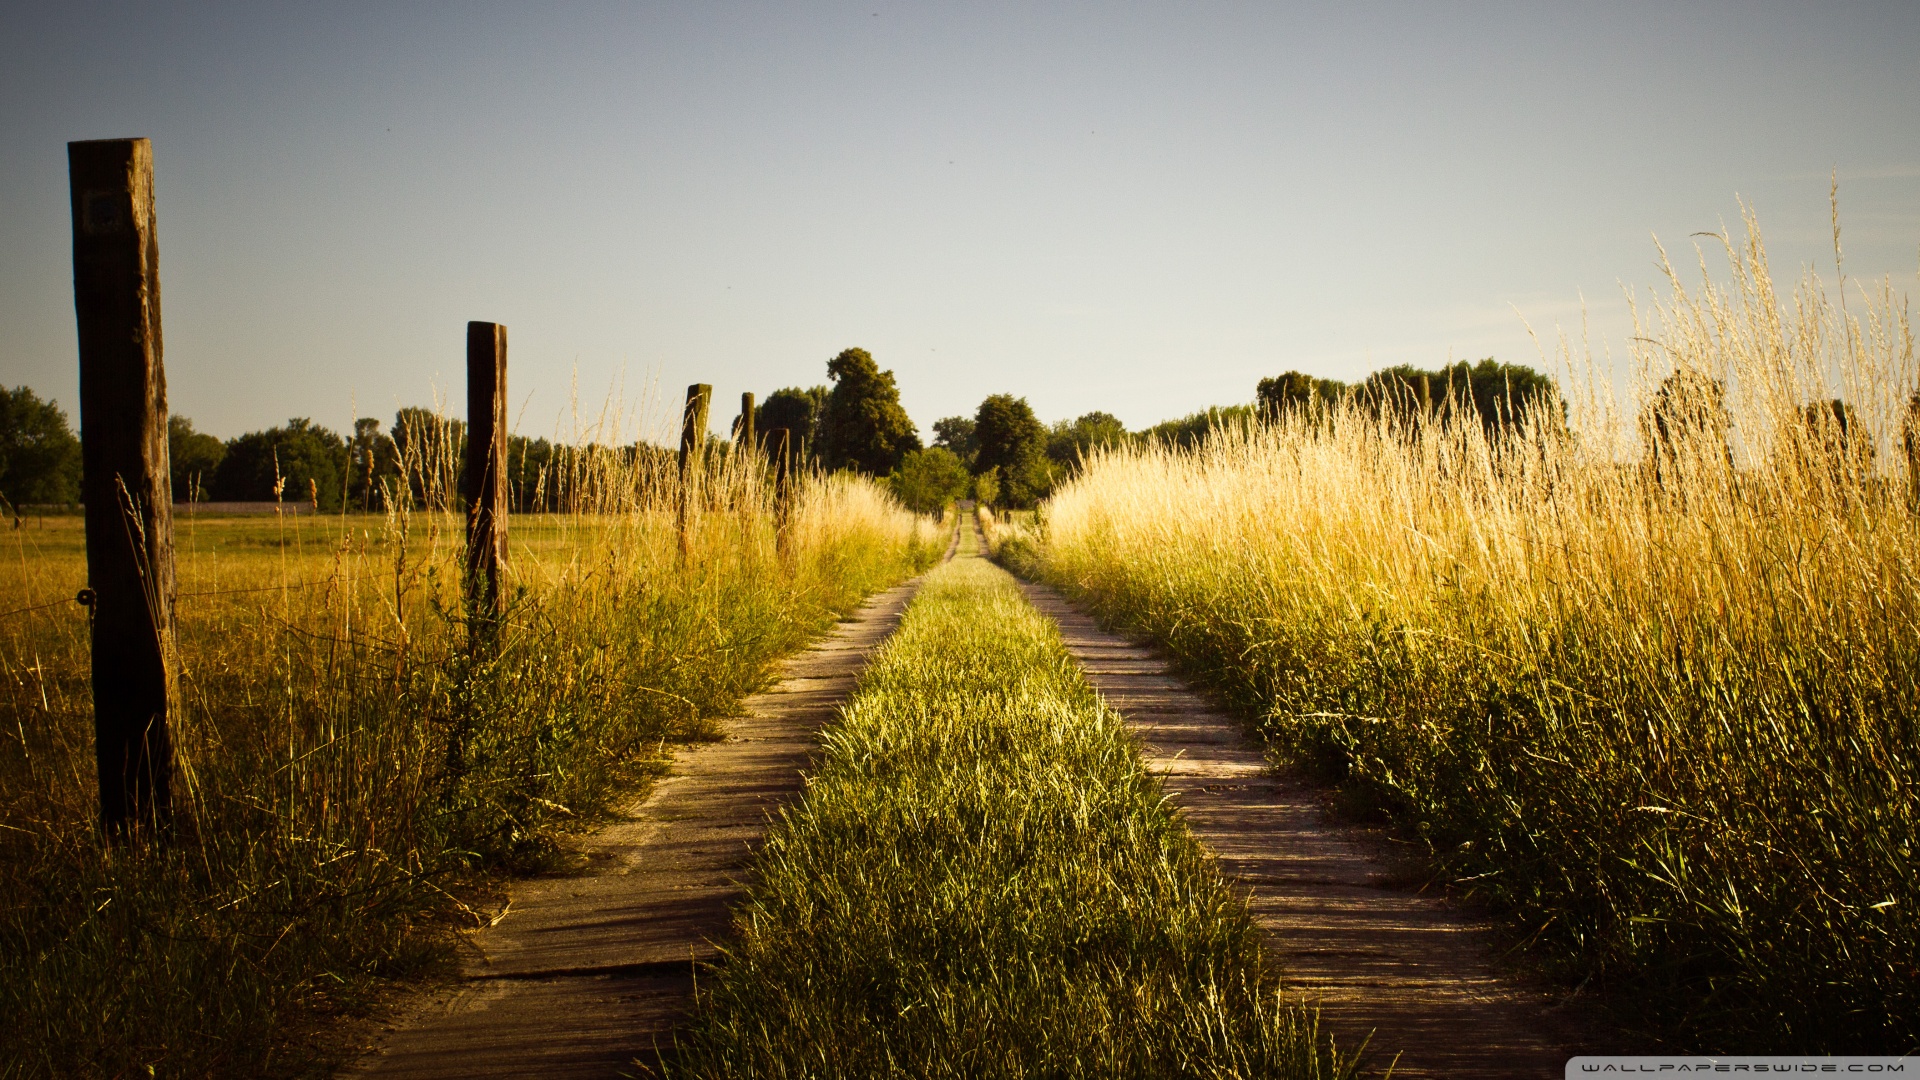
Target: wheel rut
{"x": 584, "y": 973}
{"x": 1412, "y": 972}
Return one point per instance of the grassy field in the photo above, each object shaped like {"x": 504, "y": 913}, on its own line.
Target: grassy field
{"x": 982, "y": 881}
{"x": 352, "y": 783}
{"x": 1649, "y": 688}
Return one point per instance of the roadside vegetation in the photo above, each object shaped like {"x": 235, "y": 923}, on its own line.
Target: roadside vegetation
{"x": 1646, "y": 680}
{"x": 351, "y": 780}
{"x": 982, "y": 880}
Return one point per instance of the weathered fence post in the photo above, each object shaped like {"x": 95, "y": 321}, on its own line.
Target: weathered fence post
{"x": 124, "y": 478}
{"x": 693, "y": 444}
{"x": 780, "y": 448}
{"x": 743, "y": 434}
{"x": 486, "y": 472}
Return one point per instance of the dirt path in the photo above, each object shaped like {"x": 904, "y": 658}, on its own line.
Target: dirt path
{"x": 1414, "y": 970}
{"x": 586, "y": 972}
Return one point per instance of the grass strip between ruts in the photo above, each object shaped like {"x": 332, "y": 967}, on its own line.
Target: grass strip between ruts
{"x": 984, "y": 880}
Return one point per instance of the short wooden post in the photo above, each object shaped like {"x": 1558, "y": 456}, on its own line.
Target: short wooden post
{"x": 743, "y": 435}
{"x": 486, "y": 474}
{"x": 693, "y": 444}
{"x": 780, "y": 448}
{"x": 124, "y": 478}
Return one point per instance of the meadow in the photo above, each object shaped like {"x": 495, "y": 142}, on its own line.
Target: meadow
{"x": 352, "y": 780}
{"x": 981, "y": 833}
{"x": 1645, "y": 682}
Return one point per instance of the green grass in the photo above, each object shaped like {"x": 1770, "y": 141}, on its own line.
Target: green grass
{"x": 352, "y": 784}
{"x": 982, "y": 880}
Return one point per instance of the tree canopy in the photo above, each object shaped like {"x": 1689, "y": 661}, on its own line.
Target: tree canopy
{"x": 863, "y": 427}
{"x": 789, "y": 419}
{"x": 1013, "y": 445}
{"x": 1296, "y": 390}
{"x": 956, "y": 434}
{"x": 1503, "y": 397}
{"x": 193, "y": 459}
{"x": 39, "y": 456}
{"x": 307, "y": 460}
{"x": 1687, "y": 422}
{"x": 927, "y": 480}
{"x": 1192, "y": 429}
{"x": 1069, "y": 441}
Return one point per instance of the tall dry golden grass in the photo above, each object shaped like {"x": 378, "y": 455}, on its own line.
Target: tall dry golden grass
{"x": 1648, "y": 682}
{"x": 352, "y": 777}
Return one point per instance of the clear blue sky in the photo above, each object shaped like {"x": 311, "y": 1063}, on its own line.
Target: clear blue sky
{"x": 1141, "y": 208}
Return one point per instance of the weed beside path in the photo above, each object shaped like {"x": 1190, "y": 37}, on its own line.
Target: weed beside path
{"x": 1655, "y": 701}
{"x": 983, "y": 880}
{"x": 351, "y": 778}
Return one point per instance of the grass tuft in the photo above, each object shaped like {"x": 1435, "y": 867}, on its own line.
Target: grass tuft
{"x": 982, "y": 880}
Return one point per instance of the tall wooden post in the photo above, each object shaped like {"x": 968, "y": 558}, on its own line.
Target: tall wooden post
{"x": 486, "y": 472}
{"x": 124, "y": 478}
{"x": 743, "y": 434}
{"x": 693, "y": 444}
{"x": 780, "y": 448}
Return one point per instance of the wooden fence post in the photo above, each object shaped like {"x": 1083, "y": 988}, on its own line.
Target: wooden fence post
{"x": 743, "y": 434}
{"x": 780, "y": 448}
{"x": 124, "y": 478}
{"x": 693, "y": 444}
{"x": 486, "y": 472}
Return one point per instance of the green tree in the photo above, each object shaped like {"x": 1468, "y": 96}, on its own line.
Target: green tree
{"x": 533, "y": 481}
{"x": 1013, "y": 441}
{"x": 986, "y": 487}
{"x": 1687, "y": 427}
{"x": 1191, "y": 430}
{"x": 864, "y": 428}
{"x": 373, "y": 465}
{"x": 39, "y": 457}
{"x": 193, "y": 457}
{"x": 1502, "y": 397}
{"x": 789, "y": 419}
{"x": 927, "y": 480}
{"x": 308, "y": 461}
{"x": 1069, "y": 441}
{"x": 956, "y": 434}
{"x": 431, "y": 450}
{"x": 1294, "y": 391}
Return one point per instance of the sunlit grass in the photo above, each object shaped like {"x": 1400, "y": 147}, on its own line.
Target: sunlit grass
{"x": 982, "y": 880}
{"x": 350, "y": 776}
{"x": 1660, "y": 709}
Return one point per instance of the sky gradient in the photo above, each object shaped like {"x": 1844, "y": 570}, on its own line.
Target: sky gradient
{"x": 1141, "y": 209}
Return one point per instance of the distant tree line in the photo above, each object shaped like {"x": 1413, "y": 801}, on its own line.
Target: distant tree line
{"x": 418, "y": 460}
{"x": 1002, "y": 454}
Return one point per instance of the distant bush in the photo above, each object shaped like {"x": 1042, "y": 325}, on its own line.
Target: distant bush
{"x": 927, "y": 480}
